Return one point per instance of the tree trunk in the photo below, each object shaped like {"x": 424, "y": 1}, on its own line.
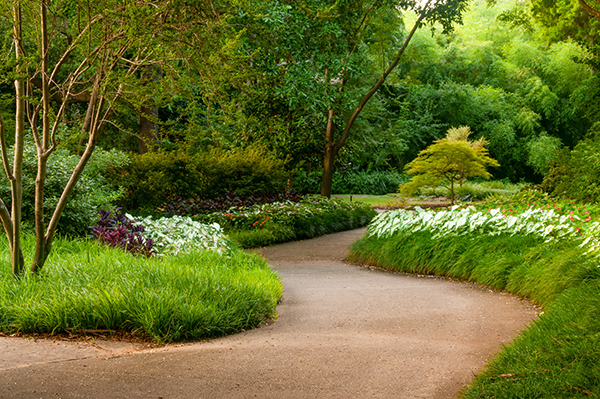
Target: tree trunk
{"x": 16, "y": 253}
{"x": 148, "y": 132}
{"x": 329, "y": 156}
{"x": 331, "y": 147}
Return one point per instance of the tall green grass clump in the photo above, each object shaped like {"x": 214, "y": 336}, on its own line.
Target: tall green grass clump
{"x": 85, "y": 286}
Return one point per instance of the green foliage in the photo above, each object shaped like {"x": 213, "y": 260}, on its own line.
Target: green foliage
{"x": 177, "y": 234}
{"x": 363, "y": 182}
{"x": 542, "y": 152}
{"x": 92, "y": 192}
{"x": 576, "y": 174}
{"x": 475, "y": 190}
{"x": 448, "y": 161}
{"x": 175, "y": 298}
{"x": 268, "y": 224}
{"x": 152, "y": 178}
{"x": 563, "y": 19}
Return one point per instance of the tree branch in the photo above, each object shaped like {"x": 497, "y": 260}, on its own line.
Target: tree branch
{"x": 589, "y": 9}
{"x": 381, "y": 80}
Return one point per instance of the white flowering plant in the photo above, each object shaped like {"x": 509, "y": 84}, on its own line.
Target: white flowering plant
{"x": 176, "y": 234}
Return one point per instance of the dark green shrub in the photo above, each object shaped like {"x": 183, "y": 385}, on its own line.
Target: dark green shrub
{"x": 250, "y": 171}
{"x": 152, "y": 179}
{"x": 92, "y": 193}
{"x": 575, "y": 174}
{"x": 369, "y": 183}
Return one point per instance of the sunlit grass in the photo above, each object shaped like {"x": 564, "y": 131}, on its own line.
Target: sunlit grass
{"x": 85, "y": 286}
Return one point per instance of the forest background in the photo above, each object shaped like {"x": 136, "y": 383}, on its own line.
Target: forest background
{"x": 260, "y": 81}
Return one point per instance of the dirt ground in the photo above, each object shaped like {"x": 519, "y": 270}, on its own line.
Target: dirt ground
{"x": 344, "y": 331}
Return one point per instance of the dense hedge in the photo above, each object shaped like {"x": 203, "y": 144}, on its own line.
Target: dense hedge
{"x": 369, "y": 183}
{"x": 299, "y": 229}
{"x": 151, "y": 179}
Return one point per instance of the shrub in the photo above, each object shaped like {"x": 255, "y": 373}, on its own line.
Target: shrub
{"x": 576, "y": 174}
{"x": 267, "y": 224}
{"x": 184, "y": 207}
{"x": 153, "y": 179}
{"x": 369, "y": 183}
{"x": 92, "y": 193}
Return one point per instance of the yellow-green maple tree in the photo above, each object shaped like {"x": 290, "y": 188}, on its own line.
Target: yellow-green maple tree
{"x": 449, "y": 161}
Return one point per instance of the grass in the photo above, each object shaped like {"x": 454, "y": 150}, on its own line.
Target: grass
{"x": 85, "y": 286}
{"x": 390, "y": 201}
{"x": 376, "y": 201}
{"x": 558, "y": 355}
{"x": 477, "y": 190}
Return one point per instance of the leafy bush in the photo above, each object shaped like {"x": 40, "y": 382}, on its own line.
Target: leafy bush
{"x": 183, "y": 207}
{"x": 457, "y": 221}
{"x": 118, "y": 231}
{"x": 92, "y": 193}
{"x": 373, "y": 182}
{"x": 176, "y": 234}
{"x": 153, "y": 179}
{"x": 267, "y": 224}
{"x": 576, "y": 174}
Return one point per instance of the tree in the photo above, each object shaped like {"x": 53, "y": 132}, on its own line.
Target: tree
{"x": 448, "y": 161}
{"x": 74, "y": 52}
{"x": 444, "y": 12}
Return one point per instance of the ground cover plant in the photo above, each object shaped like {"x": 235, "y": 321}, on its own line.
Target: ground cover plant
{"x": 265, "y": 224}
{"x": 475, "y": 190}
{"x": 539, "y": 249}
{"x": 87, "y": 286}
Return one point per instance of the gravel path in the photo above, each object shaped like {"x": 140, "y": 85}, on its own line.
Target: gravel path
{"x": 344, "y": 331}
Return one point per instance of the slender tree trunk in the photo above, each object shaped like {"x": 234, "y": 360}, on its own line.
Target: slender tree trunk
{"x": 329, "y": 156}
{"x": 148, "y": 130}
{"x": 43, "y": 151}
{"x": 16, "y": 254}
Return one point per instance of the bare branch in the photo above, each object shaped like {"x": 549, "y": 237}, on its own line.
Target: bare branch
{"x": 589, "y": 9}
{"x": 4, "y": 150}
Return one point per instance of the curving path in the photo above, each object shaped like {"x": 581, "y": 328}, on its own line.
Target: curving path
{"x": 344, "y": 331}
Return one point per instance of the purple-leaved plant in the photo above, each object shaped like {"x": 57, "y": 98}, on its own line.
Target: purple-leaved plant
{"x": 116, "y": 230}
